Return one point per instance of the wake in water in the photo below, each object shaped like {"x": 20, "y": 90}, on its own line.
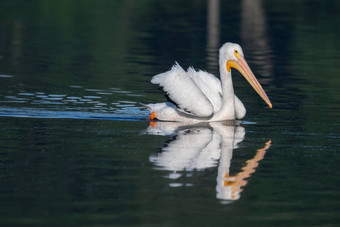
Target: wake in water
{"x": 91, "y": 104}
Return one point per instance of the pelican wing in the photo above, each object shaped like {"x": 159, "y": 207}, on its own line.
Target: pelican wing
{"x": 192, "y": 91}
{"x": 209, "y": 85}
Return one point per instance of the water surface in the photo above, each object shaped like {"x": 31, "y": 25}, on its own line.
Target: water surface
{"x": 75, "y": 147}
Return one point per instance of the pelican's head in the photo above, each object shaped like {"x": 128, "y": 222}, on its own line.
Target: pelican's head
{"x": 228, "y": 50}
{"x": 231, "y": 55}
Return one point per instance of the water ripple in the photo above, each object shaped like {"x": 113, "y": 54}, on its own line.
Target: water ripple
{"x": 5, "y": 76}
{"x": 39, "y": 104}
{"x": 136, "y": 114}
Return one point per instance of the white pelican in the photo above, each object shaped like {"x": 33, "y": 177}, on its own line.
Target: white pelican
{"x": 200, "y": 96}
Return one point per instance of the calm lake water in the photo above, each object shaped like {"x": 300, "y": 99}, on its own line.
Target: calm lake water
{"x": 75, "y": 148}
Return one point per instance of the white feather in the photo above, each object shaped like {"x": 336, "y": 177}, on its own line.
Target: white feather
{"x": 209, "y": 85}
{"x": 240, "y": 110}
{"x": 184, "y": 91}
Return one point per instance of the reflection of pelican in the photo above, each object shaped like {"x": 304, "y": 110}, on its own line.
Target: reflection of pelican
{"x": 200, "y": 96}
{"x": 201, "y": 146}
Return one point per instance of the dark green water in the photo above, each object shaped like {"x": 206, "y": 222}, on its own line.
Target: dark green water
{"x": 75, "y": 148}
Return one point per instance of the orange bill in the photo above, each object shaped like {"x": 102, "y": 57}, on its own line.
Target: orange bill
{"x": 242, "y": 66}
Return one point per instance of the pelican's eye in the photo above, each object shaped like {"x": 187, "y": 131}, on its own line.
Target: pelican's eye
{"x": 236, "y": 53}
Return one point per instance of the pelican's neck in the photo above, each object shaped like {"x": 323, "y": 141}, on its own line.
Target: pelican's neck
{"x": 227, "y": 111}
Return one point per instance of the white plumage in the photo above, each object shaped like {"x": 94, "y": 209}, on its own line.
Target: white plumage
{"x": 200, "y": 96}
{"x": 182, "y": 88}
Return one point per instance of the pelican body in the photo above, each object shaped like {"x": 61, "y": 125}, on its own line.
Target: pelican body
{"x": 198, "y": 96}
